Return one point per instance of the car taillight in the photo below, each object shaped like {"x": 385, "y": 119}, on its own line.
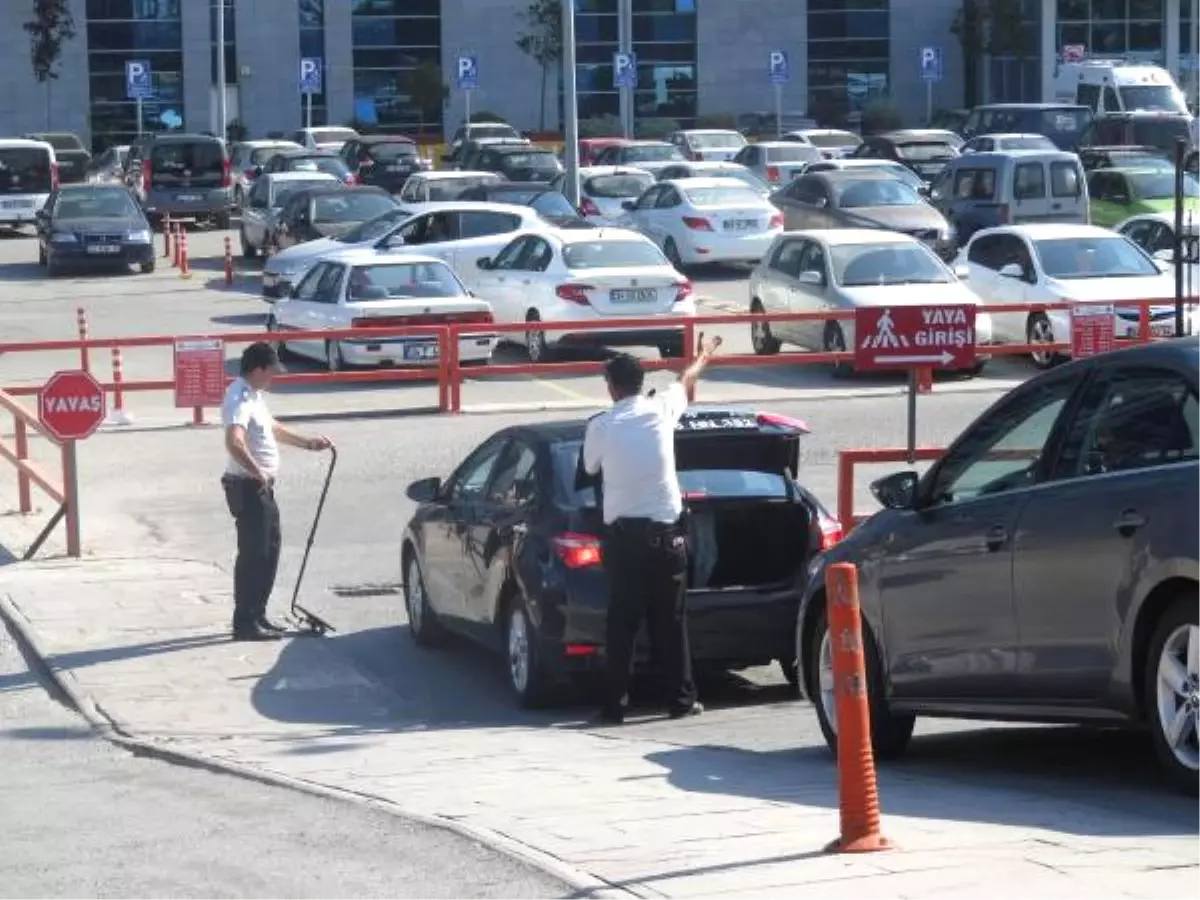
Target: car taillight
{"x": 683, "y": 290}
{"x": 478, "y": 317}
{"x": 251, "y": 173}
{"x": 697, "y": 224}
{"x": 772, "y": 173}
{"x": 226, "y": 174}
{"x": 778, "y": 421}
{"x": 776, "y": 221}
{"x": 831, "y": 532}
{"x": 350, "y": 178}
{"x": 574, "y": 293}
{"x": 146, "y": 176}
{"x": 54, "y": 176}
{"x": 578, "y": 551}
{"x": 588, "y": 208}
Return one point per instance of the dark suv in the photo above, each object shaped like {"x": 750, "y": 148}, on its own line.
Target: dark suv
{"x": 184, "y": 176}
{"x": 382, "y": 160}
{"x": 1060, "y": 122}
{"x": 1044, "y": 569}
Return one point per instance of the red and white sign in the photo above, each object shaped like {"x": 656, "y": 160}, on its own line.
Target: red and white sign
{"x": 1072, "y": 53}
{"x": 1093, "y": 329}
{"x": 914, "y": 337}
{"x": 199, "y": 372}
{"x": 71, "y": 405}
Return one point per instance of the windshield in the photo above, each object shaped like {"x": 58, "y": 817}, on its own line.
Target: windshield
{"x": 1093, "y": 257}
{"x": 422, "y": 280}
{"x": 540, "y": 162}
{"x": 1029, "y": 142}
{"x": 393, "y": 150}
{"x": 260, "y": 155}
{"x": 722, "y": 196}
{"x": 868, "y": 265}
{"x": 925, "y": 151}
{"x": 451, "y": 188}
{"x": 552, "y": 203}
{"x": 1151, "y": 97}
{"x": 24, "y": 169}
{"x": 95, "y": 205}
{"x": 376, "y": 228}
{"x": 330, "y": 165}
{"x": 834, "y": 139}
{"x": 350, "y": 207}
{"x": 333, "y": 135}
{"x": 653, "y": 153}
{"x": 1160, "y": 184}
{"x": 612, "y": 255}
{"x": 617, "y": 186}
{"x": 281, "y": 190}
{"x": 876, "y": 192}
{"x": 724, "y": 140}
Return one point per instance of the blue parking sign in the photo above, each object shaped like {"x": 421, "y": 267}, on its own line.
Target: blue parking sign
{"x": 931, "y": 63}
{"x": 625, "y": 70}
{"x": 466, "y": 73}
{"x": 310, "y": 74}
{"x": 779, "y": 69}
{"x": 138, "y": 83}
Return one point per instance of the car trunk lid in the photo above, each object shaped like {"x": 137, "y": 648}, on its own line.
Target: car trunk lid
{"x": 623, "y": 292}
{"x": 733, "y": 219}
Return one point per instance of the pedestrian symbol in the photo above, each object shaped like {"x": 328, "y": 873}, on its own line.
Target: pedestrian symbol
{"x": 885, "y": 335}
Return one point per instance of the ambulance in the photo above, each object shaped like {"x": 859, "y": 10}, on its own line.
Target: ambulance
{"x": 1116, "y": 85}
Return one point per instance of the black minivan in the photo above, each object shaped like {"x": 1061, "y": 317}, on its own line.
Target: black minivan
{"x": 185, "y": 176}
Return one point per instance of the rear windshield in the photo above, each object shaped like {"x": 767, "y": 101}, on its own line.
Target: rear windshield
{"x": 552, "y": 203}
{"x": 797, "y": 153}
{"x": 612, "y": 255}
{"x": 1029, "y": 142}
{"x": 350, "y": 207}
{"x": 617, "y": 186}
{"x": 451, "y": 188}
{"x": 424, "y": 280}
{"x": 721, "y": 141}
{"x": 24, "y": 170}
{"x": 62, "y": 141}
{"x": 720, "y": 196}
{"x": 260, "y": 155}
{"x": 187, "y": 159}
{"x": 332, "y": 135}
{"x": 518, "y": 197}
{"x": 376, "y": 227}
{"x": 834, "y": 139}
{"x": 330, "y": 165}
{"x": 877, "y": 192}
{"x": 284, "y": 189}
{"x": 541, "y": 162}
{"x": 651, "y": 153}
{"x": 484, "y": 131}
{"x": 393, "y": 150}
{"x": 95, "y": 205}
{"x": 925, "y": 151}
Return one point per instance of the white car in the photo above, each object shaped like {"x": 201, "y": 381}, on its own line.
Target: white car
{"x": 708, "y": 143}
{"x": 890, "y": 167}
{"x": 844, "y": 269}
{"x": 705, "y": 220}
{"x": 587, "y": 276}
{"x": 713, "y": 169}
{"x": 361, "y": 289}
{"x": 1016, "y": 264}
{"x": 1155, "y": 233}
{"x": 248, "y": 159}
{"x": 330, "y": 138}
{"x": 264, "y": 201}
{"x": 443, "y": 185}
{"x": 602, "y": 190}
{"x": 1002, "y": 143}
{"x": 832, "y": 142}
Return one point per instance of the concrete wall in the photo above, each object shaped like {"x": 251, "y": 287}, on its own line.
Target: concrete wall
{"x": 915, "y": 24}
{"x": 508, "y": 79}
{"x": 23, "y": 101}
{"x": 268, "y": 44}
{"x": 733, "y": 39}
{"x": 339, "y": 62}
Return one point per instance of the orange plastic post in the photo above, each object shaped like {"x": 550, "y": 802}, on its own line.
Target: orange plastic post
{"x": 858, "y": 793}
{"x": 924, "y": 380}
{"x": 228, "y": 261}
{"x": 176, "y": 244}
{"x": 166, "y": 223}
{"x": 184, "y": 269}
{"x": 25, "y": 498}
{"x": 81, "y": 321}
{"x": 118, "y": 377}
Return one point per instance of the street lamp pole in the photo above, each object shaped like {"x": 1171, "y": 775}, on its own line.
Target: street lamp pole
{"x": 221, "y": 112}
{"x": 570, "y": 103}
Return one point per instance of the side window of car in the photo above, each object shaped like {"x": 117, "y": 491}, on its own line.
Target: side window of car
{"x": 515, "y": 484}
{"x": 1004, "y": 451}
{"x": 649, "y": 198}
{"x": 483, "y": 224}
{"x": 806, "y": 190}
{"x": 1111, "y": 103}
{"x": 813, "y": 259}
{"x": 1017, "y": 251}
{"x": 1065, "y": 180}
{"x": 983, "y": 251}
{"x": 539, "y": 256}
{"x": 670, "y": 172}
{"x": 1130, "y": 419}
{"x": 413, "y": 232}
{"x": 787, "y": 258}
{"x": 468, "y": 483}
{"x": 1139, "y": 233}
{"x": 1029, "y": 181}
{"x": 309, "y": 287}
{"x": 1161, "y": 237}
{"x": 331, "y": 281}
{"x": 509, "y": 257}
{"x": 258, "y": 194}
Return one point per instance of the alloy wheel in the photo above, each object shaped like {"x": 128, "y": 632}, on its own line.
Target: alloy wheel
{"x": 1039, "y": 331}
{"x": 826, "y": 681}
{"x": 1178, "y": 694}
{"x": 414, "y": 597}
{"x": 518, "y": 650}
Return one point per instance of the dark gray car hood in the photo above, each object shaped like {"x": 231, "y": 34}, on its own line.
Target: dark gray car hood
{"x": 99, "y": 226}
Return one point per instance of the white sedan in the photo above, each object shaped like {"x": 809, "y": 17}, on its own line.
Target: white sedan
{"x": 705, "y": 220}
{"x": 361, "y": 289}
{"x": 1155, "y": 233}
{"x": 1017, "y": 264}
{"x": 844, "y": 269}
{"x": 587, "y": 276}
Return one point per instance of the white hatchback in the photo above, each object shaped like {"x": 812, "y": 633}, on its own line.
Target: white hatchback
{"x": 587, "y": 276}
{"x": 705, "y": 220}
{"x": 602, "y": 190}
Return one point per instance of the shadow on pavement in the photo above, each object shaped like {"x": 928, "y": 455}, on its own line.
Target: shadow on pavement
{"x": 242, "y": 320}
{"x": 71, "y": 661}
{"x": 47, "y": 734}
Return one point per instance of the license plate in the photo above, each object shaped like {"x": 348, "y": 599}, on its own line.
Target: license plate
{"x": 189, "y": 198}
{"x": 741, "y": 224}
{"x": 103, "y": 248}
{"x": 16, "y": 204}
{"x": 421, "y": 351}
{"x": 633, "y": 295}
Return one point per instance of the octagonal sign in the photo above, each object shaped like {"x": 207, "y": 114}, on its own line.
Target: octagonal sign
{"x": 71, "y": 405}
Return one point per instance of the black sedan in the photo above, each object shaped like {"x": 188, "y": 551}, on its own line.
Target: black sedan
{"x": 329, "y": 210}
{"x": 309, "y": 161}
{"x": 84, "y": 224}
{"x": 553, "y": 205}
{"x": 382, "y": 160}
{"x": 1044, "y": 569}
{"x": 508, "y": 552}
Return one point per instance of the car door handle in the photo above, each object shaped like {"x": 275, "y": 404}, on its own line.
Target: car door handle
{"x": 997, "y": 537}
{"x": 1129, "y": 521}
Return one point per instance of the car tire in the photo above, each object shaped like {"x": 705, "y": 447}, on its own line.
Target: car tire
{"x": 1170, "y": 688}
{"x": 1038, "y": 330}
{"x": 522, "y": 658}
{"x": 761, "y": 338}
{"x": 424, "y": 627}
{"x": 671, "y": 251}
{"x": 249, "y": 251}
{"x": 52, "y": 267}
{"x": 146, "y": 268}
{"x": 890, "y": 733}
{"x": 334, "y": 361}
{"x": 222, "y": 221}
{"x": 834, "y": 341}
{"x": 281, "y": 348}
{"x": 536, "y": 345}
{"x": 791, "y": 673}
{"x": 41, "y": 255}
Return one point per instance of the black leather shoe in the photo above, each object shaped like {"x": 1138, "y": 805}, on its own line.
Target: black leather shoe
{"x": 255, "y": 634}
{"x": 694, "y": 710}
{"x": 267, "y": 625}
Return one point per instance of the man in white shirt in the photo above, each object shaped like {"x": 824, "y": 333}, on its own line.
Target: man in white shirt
{"x": 645, "y": 550}
{"x": 252, "y": 439}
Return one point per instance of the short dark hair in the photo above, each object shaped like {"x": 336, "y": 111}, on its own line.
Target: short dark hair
{"x": 625, "y": 374}
{"x": 260, "y": 355}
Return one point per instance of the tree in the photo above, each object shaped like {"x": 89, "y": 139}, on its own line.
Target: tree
{"x": 428, "y": 91}
{"x": 988, "y": 28}
{"x": 52, "y": 26}
{"x": 541, "y": 41}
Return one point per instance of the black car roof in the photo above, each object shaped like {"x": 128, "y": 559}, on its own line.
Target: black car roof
{"x": 304, "y": 153}
{"x": 573, "y": 429}
{"x": 517, "y": 148}
{"x": 384, "y": 139}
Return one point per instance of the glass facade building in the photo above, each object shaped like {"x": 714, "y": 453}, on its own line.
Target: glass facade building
{"x": 849, "y": 57}
{"x": 392, "y": 40}
{"x": 312, "y": 46}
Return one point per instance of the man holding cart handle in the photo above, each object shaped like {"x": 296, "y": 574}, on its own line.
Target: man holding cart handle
{"x": 252, "y": 438}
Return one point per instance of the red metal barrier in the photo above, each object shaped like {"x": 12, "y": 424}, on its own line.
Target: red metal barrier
{"x": 29, "y": 474}
{"x": 848, "y": 459}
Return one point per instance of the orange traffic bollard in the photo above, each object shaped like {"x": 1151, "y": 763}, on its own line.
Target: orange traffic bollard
{"x": 81, "y": 322}
{"x": 118, "y": 416}
{"x": 166, "y": 227}
{"x": 228, "y": 261}
{"x": 924, "y": 380}
{"x": 175, "y": 244}
{"x": 184, "y": 270}
{"x": 858, "y": 793}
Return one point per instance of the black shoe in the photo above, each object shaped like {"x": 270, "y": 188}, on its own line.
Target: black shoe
{"x": 254, "y": 633}
{"x": 267, "y": 625}
{"x": 694, "y": 709}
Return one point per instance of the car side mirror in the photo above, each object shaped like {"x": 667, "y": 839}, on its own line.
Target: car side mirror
{"x": 484, "y": 262}
{"x": 962, "y": 273}
{"x": 810, "y": 277}
{"x": 290, "y": 290}
{"x": 628, "y": 205}
{"x": 1012, "y": 270}
{"x": 1164, "y": 255}
{"x": 896, "y": 491}
{"x": 424, "y": 491}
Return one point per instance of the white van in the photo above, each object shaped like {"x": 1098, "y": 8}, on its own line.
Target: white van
{"x": 1114, "y": 85}
{"x": 28, "y": 173}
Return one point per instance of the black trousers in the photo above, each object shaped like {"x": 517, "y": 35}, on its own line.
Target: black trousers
{"x": 646, "y": 563}
{"x": 258, "y": 541}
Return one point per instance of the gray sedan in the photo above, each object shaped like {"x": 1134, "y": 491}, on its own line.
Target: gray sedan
{"x": 1044, "y": 569}
{"x": 265, "y": 200}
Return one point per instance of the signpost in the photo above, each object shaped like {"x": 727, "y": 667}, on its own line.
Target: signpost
{"x": 1092, "y": 329}
{"x": 779, "y": 70}
{"x": 199, "y": 372}
{"x": 939, "y": 337}
{"x": 932, "y": 69}
{"x": 466, "y": 77}
{"x": 311, "y": 82}
{"x": 70, "y": 408}
{"x": 625, "y": 79}
{"x": 139, "y": 85}
{"x": 1073, "y": 53}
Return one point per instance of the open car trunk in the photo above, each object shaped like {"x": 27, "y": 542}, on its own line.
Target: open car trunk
{"x": 745, "y": 543}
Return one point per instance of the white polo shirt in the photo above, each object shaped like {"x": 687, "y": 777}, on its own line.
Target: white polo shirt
{"x": 247, "y": 407}
{"x": 634, "y": 443}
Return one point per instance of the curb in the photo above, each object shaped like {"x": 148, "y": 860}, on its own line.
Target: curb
{"x": 582, "y": 883}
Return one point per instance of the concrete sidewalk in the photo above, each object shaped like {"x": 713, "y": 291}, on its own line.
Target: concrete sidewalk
{"x": 141, "y": 645}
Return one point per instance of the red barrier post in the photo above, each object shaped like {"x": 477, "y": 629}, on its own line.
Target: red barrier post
{"x": 228, "y": 261}
{"x": 924, "y": 380}
{"x": 443, "y": 370}
{"x": 166, "y": 227}
{"x": 454, "y": 370}
{"x": 845, "y": 490}
{"x": 185, "y": 270}
{"x": 1144, "y": 323}
{"x": 25, "y": 500}
{"x": 689, "y": 352}
{"x": 197, "y": 415}
{"x": 81, "y": 321}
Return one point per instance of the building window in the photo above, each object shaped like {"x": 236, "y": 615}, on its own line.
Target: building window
{"x": 123, "y": 30}
{"x": 1107, "y": 28}
{"x": 312, "y": 46}
{"x": 848, "y": 57}
{"x": 231, "y": 66}
{"x": 1014, "y": 65}
{"x": 392, "y": 39}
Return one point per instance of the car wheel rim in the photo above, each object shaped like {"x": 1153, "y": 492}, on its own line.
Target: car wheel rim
{"x": 518, "y": 651}
{"x": 825, "y": 681}
{"x": 335, "y": 357}
{"x": 536, "y": 342}
{"x": 416, "y": 598}
{"x": 1040, "y": 332}
{"x": 760, "y": 334}
{"x": 835, "y": 341}
{"x": 1178, "y": 682}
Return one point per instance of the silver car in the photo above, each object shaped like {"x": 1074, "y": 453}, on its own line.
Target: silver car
{"x": 832, "y": 143}
{"x": 247, "y": 161}
{"x": 263, "y": 203}
{"x": 777, "y": 162}
{"x": 603, "y": 190}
